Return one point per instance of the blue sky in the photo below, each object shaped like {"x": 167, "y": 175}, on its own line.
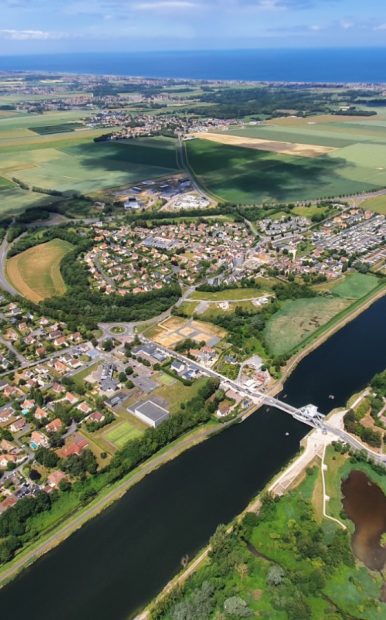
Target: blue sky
{"x": 36, "y": 26}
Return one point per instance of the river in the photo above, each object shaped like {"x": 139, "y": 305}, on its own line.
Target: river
{"x": 121, "y": 559}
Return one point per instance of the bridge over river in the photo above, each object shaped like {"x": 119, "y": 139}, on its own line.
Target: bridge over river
{"x": 308, "y": 414}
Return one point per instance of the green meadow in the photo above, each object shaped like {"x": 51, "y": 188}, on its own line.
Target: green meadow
{"x": 245, "y": 175}
{"x": 49, "y": 151}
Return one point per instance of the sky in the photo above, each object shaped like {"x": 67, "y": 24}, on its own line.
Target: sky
{"x": 56, "y": 26}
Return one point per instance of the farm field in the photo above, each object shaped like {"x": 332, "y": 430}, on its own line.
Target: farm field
{"x": 355, "y": 286}
{"x": 348, "y": 157}
{"x": 298, "y": 319}
{"x": 121, "y": 433}
{"x": 376, "y": 204}
{"x": 35, "y": 273}
{"x": 262, "y": 144}
{"x": 248, "y": 176}
{"x": 89, "y": 166}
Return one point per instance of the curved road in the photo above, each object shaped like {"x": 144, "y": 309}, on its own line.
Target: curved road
{"x": 4, "y": 284}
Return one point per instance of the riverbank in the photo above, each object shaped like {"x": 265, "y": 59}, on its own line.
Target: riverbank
{"x": 135, "y": 547}
{"x": 72, "y": 523}
{"x": 349, "y": 315}
{"x": 313, "y": 452}
{"x": 106, "y": 498}
{"x": 274, "y": 551}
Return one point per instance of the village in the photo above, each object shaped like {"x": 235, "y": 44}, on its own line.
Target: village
{"x": 139, "y": 260}
{"x": 70, "y": 402}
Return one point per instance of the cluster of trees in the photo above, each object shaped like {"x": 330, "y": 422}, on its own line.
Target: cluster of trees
{"x": 222, "y": 587}
{"x": 38, "y": 237}
{"x": 14, "y": 522}
{"x": 368, "y": 435}
{"x": 262, "y": 102}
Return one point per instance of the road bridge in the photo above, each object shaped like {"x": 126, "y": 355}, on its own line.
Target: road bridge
{"x": 308, "y": 414}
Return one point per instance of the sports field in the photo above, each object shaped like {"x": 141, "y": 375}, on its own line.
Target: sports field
{"x": 122, "y": 433}
{"x": 351, "y": 159}
{"x": 35, "y": 273}
{"x": 298, "y": 319}
{"x": 175, "y": 329}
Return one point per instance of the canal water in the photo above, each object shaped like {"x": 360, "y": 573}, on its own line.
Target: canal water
{"x": 114, "y": 565}
{"x": 365, "y": 504}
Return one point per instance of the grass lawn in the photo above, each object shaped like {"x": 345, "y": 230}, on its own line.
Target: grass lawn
{"x": 121, "y": 433}
{"x": 178, "y": 395}
{"x": 248, "y": 176}
{"x": 35, "y": 273}
{"x": 229, "y": 295}
{"x": 355, "y": 286}
{"x": 166, "y": 379}
{"x": 298, "y": 319}
{"x": 377, "y": 204}
{"x": 79, "y": 377}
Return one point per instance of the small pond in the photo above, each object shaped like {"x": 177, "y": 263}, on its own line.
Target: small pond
{"x": 365, "y": 504}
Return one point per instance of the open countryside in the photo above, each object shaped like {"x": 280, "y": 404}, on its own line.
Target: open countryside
{"x": 35, "y": 273}
{"x": 351, "y": 159}
{"x": 163, "y": 314}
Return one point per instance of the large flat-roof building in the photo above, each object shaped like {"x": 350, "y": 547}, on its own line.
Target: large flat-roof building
{"x": 150, "y": 413}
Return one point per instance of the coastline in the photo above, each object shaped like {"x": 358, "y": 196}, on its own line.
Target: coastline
{"x": 79, "y": 518}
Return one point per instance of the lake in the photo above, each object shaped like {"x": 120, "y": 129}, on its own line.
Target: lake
{"x": 119, "y": 561}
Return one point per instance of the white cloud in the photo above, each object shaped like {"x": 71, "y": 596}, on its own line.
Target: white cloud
{"x": 165, "y": 5}
{"x": 33, "y": 35}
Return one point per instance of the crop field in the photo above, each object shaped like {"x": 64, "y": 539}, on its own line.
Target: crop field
{"x": 122, "y": 433}
{"x": 86, "y": 166}
{"x": 275, "y": 146}
{"x": 298, "y": 319}
{"x": 44, "y": 130}
{"x": 35, "y": 273}
{"x": 376, "y": 204}
{"x": 348, "y": 156}
{"x": 355, "y": 286}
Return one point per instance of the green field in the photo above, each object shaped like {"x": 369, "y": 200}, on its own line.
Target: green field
{"x": 122, "y": 433}
{"x": 376, "y": 204}
{"x": 89, "y": 166}
{"x": 355, "y": 286}
{"x": 48, "y": 151}
{"x": 249, "y": 176}
{"x": 44, "y": 130}
{"x": 35, "y": 273}
{"x": 298, "y": 319}
{"x": 228, "y": 295}
{"x": 246, "y": 175}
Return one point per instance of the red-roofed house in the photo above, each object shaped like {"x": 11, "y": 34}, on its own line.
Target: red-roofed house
{"x": 54, "y": 426}
{"x": 75, "y": 445}
{"x": 55, "y": 478}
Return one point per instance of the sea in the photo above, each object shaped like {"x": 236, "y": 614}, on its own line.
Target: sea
{"x": 365, "y": 65}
